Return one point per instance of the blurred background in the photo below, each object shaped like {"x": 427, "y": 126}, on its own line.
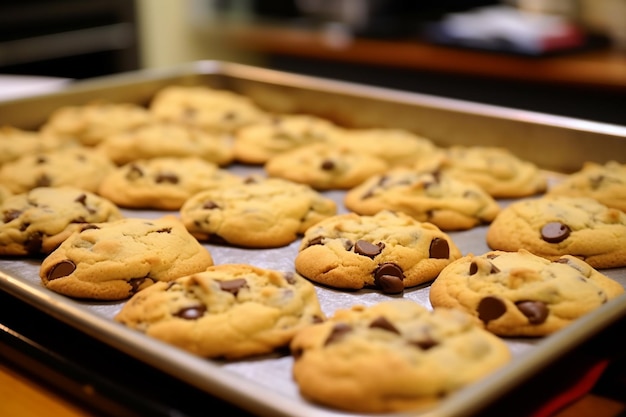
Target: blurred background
{"x": 563, "y": 57}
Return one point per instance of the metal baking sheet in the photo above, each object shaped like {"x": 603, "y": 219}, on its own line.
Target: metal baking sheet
{"x": 263, "y": 385}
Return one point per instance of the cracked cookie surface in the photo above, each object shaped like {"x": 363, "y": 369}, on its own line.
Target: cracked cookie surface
{"x": 162, "y": 183}
{"x": 392, "y": 356}
{"x": 438, "y": 198}
{"x": 521, "y": 294}
{"x": 387, "y": 251}
{"x": 229, "y": 311}
{"x": 36, "y": 222}
{"x": 496, "y": 170}
{"x": 325, "y": 166}
{"x": 76, "y": 166}
{"x": 554, "y": 226}
{"x": 114, "y": 260}
{"x": 256, "y": 213}
{"x": 603, "y": 182}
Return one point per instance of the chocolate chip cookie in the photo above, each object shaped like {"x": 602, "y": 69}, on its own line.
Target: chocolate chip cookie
{"x": 76, "y": 166}
{"x": 259, "y": 212}
{"x": 36, "y": 222}
{"x": 162, "y": 183}
{"x": 92, "y": 122}
{"x": 398, "y": 147}
{"x": 521, "y": 294}
{"x": 556, "y": 226}
{"x": 257, "y": 143}
{"x": 168, "y": 139}
{"x": 325, "y": 166}
{"x": 114, "y": 260}
{"x": 603, "y": 182}
{"x": 229, "y": 311}
{"x": 497, "y": 170}
{"x": 15, "y": 143}
{"x": 393, "y": 356}
{"x": 210, "y": 109}
{"x": 435, "y": 197}
{"x": 387, "y": 251}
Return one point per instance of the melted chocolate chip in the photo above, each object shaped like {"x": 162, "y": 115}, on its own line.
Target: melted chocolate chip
{"x": 233, "y": 286}
{"x": 555, "y": 232}
{"x": 536, "y": 311}
{"x": 134, "y": 172}
{"x": 33, "y": 242}
{"x": 191, "y": 313}
{"x": 166, "y": 177}
{"x": 290, "y": 277}
{"x": 426, "y": 343}
{"x": 490, "y": 308}
{"x": 382, "y": 323}
{"x": 210, "y": 205}
{"x": 439, "y": 249}
{"x": 62, "y": 269}
{"x": 11, "y": 215}
{"x": 368, "y": 249}
{"x": 316, "y": 241}
{"x": 43, "y": 181}
{"x": 135, "y": 284}
{"x": 82, "y": 199}
{"x": 337, "y": 333}
{"x": 328, "y": 165}
{"x": 388, "y": 277}
{"x": 165, "y": 230}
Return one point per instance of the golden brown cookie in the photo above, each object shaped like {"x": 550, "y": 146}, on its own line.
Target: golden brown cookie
{"x": 114, "y": 260}
{"x": 36, "y": 222}
{"x": 229, "y": 311}
{"x": 556, "y": 226}
{"x": 447, "y": 202}
{"x": 256, "y": 213}
{"x": 521, "y": 294}
{"x": 603, "y": 182}
{"x": 387, "y": 251}
{"x": 163, "y": 183}
{"x": 325, "y": 166}
{"x": 393, "y": 356}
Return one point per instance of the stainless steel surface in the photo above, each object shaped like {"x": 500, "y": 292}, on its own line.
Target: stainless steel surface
{"x": 264, "y": 385}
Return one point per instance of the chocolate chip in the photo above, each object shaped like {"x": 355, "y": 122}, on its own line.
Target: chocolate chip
{"x": 316, "y": 241}
{"x": 328, "y": 165}
{"x": 474, "y": 268}
{"x": 536, "y": 311}
{"x": 134, "y": 172}
{"x": 290, "y": 277}
{"x": 166, "y": 177}
{"x": 388, "y": 277}
{"x": 43, "y": 181}
{"x": 34, "y": 242}
{"x": 41, "y": 160}
{"x": 210, "y": 205}
{"x": 191, "y": 313}
{"x": 490, "y": 308}
{"x": 62, "y": 269}
{"x": 339, "y": 330}
{"x": 439, "y": 249}
{"x": 595, "y": 182}
{"x": 82, "y": 199}
{"x": 382, "y": 323}
{"x": 555, "y": 232}
{"x": 365, "y": 248}
{"x": 426, "y": 343}
{"x": 10, "y": 215}
{"x": 135, "y": 283}
{"x": 233, "y": 286}
{"x": 164, "y": 230}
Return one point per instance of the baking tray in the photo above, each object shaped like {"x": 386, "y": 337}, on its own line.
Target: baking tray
{"x": 263, "y": 385}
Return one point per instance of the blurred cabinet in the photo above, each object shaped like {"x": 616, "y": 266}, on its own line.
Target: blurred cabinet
{"x": 68, "y": 38}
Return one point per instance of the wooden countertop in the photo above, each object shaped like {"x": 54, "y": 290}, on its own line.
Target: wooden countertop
{"x": 597, "y": 69}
